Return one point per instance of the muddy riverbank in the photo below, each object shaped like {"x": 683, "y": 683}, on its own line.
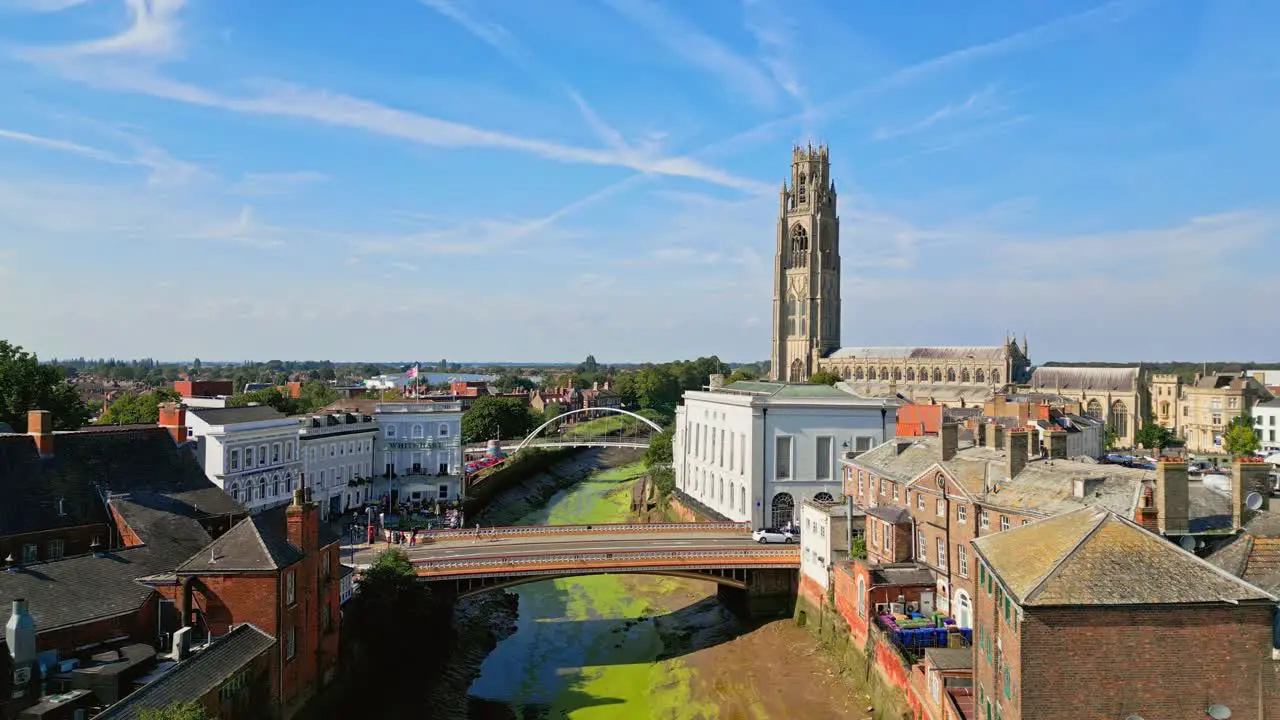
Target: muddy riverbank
{"x": 619, "y": 647}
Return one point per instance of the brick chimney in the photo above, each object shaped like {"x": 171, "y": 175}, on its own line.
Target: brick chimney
{"x": 40, "y": 428}
{"x": 1247, "y": 477}
{"x": 303, "y": 522}
{"x": 173, "y": 417}
{"x": 1172, "y": 497}
{"x": 1056, "y": 443}
{"x": 1019, "y": 440}
{"x": 995, "y": 435}
{"x": 949, "y": 439}
{"x": 980, "y": 434}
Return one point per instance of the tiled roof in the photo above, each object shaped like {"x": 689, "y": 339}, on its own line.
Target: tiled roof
{"x": 85, "y": 587}
{"x": 798, "y": 391}
{"x": 1254, "y": 555}
{"x": 950, "y": 658}
{"x": 1097, "y": 379}
{"x": 115, "y": 459}
{"x": 890, "y": 513}
{"x": 907, "y": 574}
{"x": 1094, "y": 557}
{"x": 233, "y": 415}
{"x": 257, "y": 543}
{"x": 196, "y": 676}
{"x": 991, "y": 352}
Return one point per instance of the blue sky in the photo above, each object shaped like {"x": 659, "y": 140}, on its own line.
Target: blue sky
{"x": 504, "y": 179}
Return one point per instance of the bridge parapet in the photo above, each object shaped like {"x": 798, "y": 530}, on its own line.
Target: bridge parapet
{"x": 507, "y": 531}
{"x": 782, "y": 557}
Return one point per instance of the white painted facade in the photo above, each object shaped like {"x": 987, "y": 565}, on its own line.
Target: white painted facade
{"x": 754, "y": 451}
{"x": 419, "y": 443}
{"x": 1266, "y": 425}
{"x": 396, "y": 381}
{"x": 338, "y": 449}
{"x": 251, "y": 453}
{"x": 823, "y": 533}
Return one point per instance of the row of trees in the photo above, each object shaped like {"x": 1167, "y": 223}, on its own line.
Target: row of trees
{"x": 26, "y": 383}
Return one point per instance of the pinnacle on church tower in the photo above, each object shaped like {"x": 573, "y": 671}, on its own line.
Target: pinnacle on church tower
{"x": 806, "y": 288}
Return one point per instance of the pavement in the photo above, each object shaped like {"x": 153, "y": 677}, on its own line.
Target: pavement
{"x": 473, "y": 547}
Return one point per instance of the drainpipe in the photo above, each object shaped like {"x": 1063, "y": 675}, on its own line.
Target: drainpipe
{"x": 764, "y": 457}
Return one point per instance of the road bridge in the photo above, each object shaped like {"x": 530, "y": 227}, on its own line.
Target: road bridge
{"x": 565, "y": 434}
{"x": 753, "y": 580}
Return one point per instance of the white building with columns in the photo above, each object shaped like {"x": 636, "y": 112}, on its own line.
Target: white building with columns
{"x": 753, "y": 451}
{"x": 337, "y": 459}
{"x": 250, "y": 452}
{"x": 420, "y": 450}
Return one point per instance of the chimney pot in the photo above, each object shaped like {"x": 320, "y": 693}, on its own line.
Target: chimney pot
{"x": 1019, "y": 440}
{"x": 1172, "y": 497}
{"x": 948, "y": 436}
{"x": 40, "y": 428}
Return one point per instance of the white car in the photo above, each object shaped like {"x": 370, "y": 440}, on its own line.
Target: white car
{"x": 773, "y": 535}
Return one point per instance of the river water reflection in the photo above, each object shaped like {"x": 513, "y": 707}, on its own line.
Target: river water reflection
{"x": 588, "y": 647}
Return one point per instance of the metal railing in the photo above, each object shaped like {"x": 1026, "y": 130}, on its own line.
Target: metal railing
{"x": 788, "y": 554}
{"x": 604, "y": 528}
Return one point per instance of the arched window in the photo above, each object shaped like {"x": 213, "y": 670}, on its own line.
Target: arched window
{"x": 964, "y": 375}
{"x": 261, "y": 490}
{"x": 824, "y": 497}
{"x": 1094, "y": 410}
{"x": 742, "y": 502}
{"x": 951, "y": 374}
{"x": 1164, "y": 408}
{"x": 800, "y": 187}
{"x": 417, "y": 430}
{"x": 859, "y": 374}
{"x": 783, "y": 510}
{"x": 846, "y": 372}
{"x": 720, "y": 497}
{"x": 995, "y": 377}
{"x": 799, "y": 247}
{"x": 234, "y": 492}
{"x": 964, "y": 609}
{"x": 797, "y": 371}
{"x": 937, "y": 374}
{"x": 884, "y": 373}
{"x": 911, "y": 373}
{"x": 732, "y": 494}
{"x": 980, "y": 376}
{"x": 897, "y": 373}
{"x": 1119, "y": 419}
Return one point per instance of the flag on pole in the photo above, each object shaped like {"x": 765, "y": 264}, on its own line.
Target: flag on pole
{"x": 413, "y": 372}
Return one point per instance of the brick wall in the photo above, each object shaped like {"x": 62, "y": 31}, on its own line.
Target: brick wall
{"x": 127, "y": 535}
{"x": 1175, "y": 662}
{"x": 138, "y": 626}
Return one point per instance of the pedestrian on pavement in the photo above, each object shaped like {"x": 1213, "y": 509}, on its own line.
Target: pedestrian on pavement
{"x": 413, "y": 538}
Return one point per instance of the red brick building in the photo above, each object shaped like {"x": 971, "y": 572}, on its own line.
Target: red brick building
{"x": 204, "y": 388}
{"x": 1088, "y": 615}
{"x": 279, "y": 571}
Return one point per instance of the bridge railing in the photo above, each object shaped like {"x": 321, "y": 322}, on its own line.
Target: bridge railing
{"x": 782, "y": 553}
{"x": 606, "y": 528}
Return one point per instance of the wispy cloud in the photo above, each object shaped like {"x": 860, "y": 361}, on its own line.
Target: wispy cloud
{"x": 244, "y": 229}
{"x": 153, "y": 31}
{"x": 963, "y": 139}
{"x": 48, "y": 6}
{"x": 60, "y": 146}
{"x": 700, "y": 49}
{"x": 979, "y": 103}
{"x": 775, "y": 33}
{"x": 282, "y": 183}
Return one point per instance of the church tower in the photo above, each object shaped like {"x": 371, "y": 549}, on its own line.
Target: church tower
{"x": 806, "y": 268}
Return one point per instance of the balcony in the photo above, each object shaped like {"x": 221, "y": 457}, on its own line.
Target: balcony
{"x": 913, "y": 633}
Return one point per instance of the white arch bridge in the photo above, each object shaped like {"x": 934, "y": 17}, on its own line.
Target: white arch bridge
{"x": 594, "y": 432}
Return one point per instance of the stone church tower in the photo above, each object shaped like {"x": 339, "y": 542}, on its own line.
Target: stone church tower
{"x": 806, "y": 268}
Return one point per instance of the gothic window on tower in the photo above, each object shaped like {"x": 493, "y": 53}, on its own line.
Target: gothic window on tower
{"x": 800, "y": 187}
{"x": 799, "y": 247}
{"x": 797, "y": 371}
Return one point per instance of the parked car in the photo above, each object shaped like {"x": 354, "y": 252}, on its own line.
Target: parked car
{"x": 773, "y": 535}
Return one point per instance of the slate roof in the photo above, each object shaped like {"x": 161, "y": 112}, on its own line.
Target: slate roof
{"x": 950, "y": 658}
{"x": 890, "y": 513}
{"x": 1092, "y": 557}
{"x": 956, "y": 352}
{"x": 1097, "y": 379}
{"x": 196, "y": 676}
{"x": 117, "y": 459}
{"x": 257, "y": 543}
{"x": 905, "y": 574}
{"x": 231, "y": 416}
{"x": 1254, "y": 555}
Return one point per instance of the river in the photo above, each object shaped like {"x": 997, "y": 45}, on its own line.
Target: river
{"x": 638, "y": 647}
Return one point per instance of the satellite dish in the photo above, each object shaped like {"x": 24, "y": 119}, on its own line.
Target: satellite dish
{"x": 1188, "y": 543}
{"x": 1253, "y": 501}
{"x": 1219, "y": 712}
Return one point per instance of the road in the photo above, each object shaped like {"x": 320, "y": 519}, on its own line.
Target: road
{"x": 464, "y": 548}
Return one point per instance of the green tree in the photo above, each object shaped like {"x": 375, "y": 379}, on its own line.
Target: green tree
{"x": 314, "y": 395}
{"x": 141, "y": 409}
{"x": 664, "y": 479}
{"x": 496, "y": 417}
{"x": 659, "y": 450}
{"x": 177, "y": 711}
{"x": 588, "y": 366}
{"x": 1154, "y": 436}
{"x": 741, "y": 374}
{"x": 824, "y": 377}
{"x": 26, "y": 385}
{"x": 268, "y": 396}
{"x": 510, "y": 382}
{"x": 1240, "y": 439}
{"x": 1110, "y": 438}
{"x": 554, "y": 410}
